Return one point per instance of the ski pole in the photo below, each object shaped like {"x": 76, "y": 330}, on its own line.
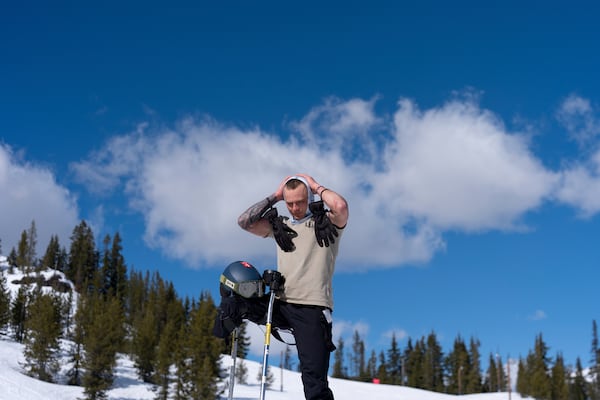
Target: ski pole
{"x": 234, "y": 346}
{"x": 263, "y": 382}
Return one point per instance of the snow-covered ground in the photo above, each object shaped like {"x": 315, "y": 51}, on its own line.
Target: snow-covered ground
{"x": 16, "y": 385}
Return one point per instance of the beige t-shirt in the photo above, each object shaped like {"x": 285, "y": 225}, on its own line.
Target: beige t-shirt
{"x": 308, "y": 270}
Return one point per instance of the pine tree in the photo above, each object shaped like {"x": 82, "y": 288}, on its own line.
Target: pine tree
{"x": 43, "y": 333}
{"x": 144, "y": 344}
{"x": 394, "y": 363}
{"x": 67, "y": 313}
{"x": 105, "y": 266}
{"x": 413, "y": 355}
{"x": 120, "y": 280}
{"x": 22, "y": 260}
{"x": 83, "y": 258}
{"x": 158, "y": 310}
{"x": 371, "y": 369}
{"x": 358, "y": 357}
{"x": 32, "y": 242}
{"x": 495, "y": 379}
{"x": 474, "y": 384}
{"x": 241, "y": 372}
{"x": 164, "y": 359}
{"x": 578, "y": 389}
{"x": 595, "y": 364}
{"x": 103, "y": 334}
{"x": 76, "y": 351}
{"x": 433, "y": 373}
{"x": 12, "y": 260}
{"x": 204, "y": 351}
{"x": 167, "y": 346}
{"x": 19, "y": 313}
{"x": 491, "y": 377}
{"x": 338, "y": 360}
{"x": 146, "y": 332}
{"x": 269, "y": 378}
{"x": 559, "y": 380}
{"x": 137, "y": 295}
{"x": 243, "y": 347}
{"x": 114, "y": 270}
{"x": 382, "y": 372}
{"x": 53, "y": 257}
{"x": 417, "y": 365}
{"x": 523, "y": 379}
{"x": 182, "y": 362}
{"x": 4, "y": 302}
{"x": 538, "y": 362}
{"x": 502, "y": 375}
{"x": 458, "y": 365}
{"x": 243, "y": 341}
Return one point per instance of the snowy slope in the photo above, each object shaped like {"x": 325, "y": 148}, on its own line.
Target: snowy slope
{"x": 15, "y": 385}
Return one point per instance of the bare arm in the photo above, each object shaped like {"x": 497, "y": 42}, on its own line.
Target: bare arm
{"x": 251, "y": 221}
{"x": 338, "y": 207}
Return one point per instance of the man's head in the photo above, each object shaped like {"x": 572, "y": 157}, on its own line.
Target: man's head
{"x": 296, "y": 196}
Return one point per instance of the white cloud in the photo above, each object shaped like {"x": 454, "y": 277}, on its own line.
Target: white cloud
{"x": 407, "y": 179}
{"x": 457, "y": 167}
{"x": 347, "y": 329}
{"x": 31, "y": 193}
{"x": 348, "y": 128}
{"x": 578, "y": 116}
{"x": 580, "y": 179}
{"x": 580, "y": 186}
{"x": 538, "y": 315}
{"x": 399, "y": 333}
{"x": 338, "y": 117}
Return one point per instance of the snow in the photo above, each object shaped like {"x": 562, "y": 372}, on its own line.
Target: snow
{"x": 15, "y": 385}
{"x": 287, "y": 385}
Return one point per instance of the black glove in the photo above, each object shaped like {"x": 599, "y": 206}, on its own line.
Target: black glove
{"x": 325, "y": 231}
{"x": 230, "y": 314}
{"x": 283, "y": 234}
{"x": 273, "y": 279}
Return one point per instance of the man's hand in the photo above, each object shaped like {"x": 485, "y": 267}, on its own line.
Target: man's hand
{"x": 325, "y": 231}
{"x": 283, "y": 234}
{"x": 274, "y": 280}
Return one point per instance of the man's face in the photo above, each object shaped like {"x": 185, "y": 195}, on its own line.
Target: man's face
{"x": 296, "y": 201}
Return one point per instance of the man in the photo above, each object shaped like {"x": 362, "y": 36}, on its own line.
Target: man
{"x": 308, "y": 245}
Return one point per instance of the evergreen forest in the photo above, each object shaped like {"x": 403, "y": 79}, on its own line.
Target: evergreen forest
{"x": 109, "y": 309}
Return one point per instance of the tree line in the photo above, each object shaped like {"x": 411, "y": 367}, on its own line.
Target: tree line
{"x": 108, "y": 310}
{"x": 423, "y": 364}
{"x": 111, "y": 310}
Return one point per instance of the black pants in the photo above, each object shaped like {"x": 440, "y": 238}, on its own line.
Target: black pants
{"x": 312, "y": 333}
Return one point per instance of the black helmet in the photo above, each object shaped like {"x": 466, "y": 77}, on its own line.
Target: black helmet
{"x": 242, "y": 278}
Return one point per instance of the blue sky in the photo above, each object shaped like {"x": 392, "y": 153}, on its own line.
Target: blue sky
{"x": 464, "y": 136}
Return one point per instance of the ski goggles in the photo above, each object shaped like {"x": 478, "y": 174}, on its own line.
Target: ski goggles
{"x": 245, "y": 289}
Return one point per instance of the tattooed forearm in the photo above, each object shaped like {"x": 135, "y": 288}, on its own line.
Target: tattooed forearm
{"x": 254, "y": 212}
